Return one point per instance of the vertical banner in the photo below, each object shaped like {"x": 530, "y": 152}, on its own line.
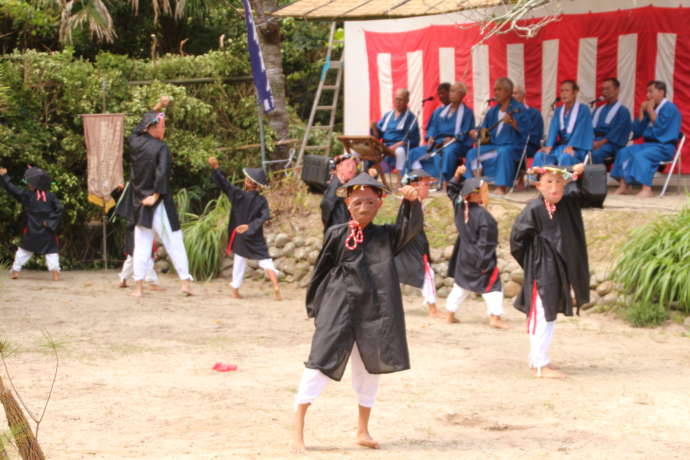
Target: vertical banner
{"x": 104, "y": 137}
{"x": 263, "y": 86}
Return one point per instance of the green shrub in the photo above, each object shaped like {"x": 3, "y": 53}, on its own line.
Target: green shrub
{"x": 646, "y": 314}
{"x": 655, "y": 268}
{"x": 43, "y": 94}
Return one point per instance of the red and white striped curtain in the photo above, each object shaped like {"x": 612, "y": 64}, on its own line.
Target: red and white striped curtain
{"x": 634, "y": 45}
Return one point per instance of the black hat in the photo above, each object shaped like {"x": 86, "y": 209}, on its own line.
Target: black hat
{"x": 150, "y": 118}
{"x": 361, "y": 180}
{"x": 37, "y": 178}
{"x": 256, "y": 175}
{"x": 471, "y": 185}
{"x": 415, "y": 175}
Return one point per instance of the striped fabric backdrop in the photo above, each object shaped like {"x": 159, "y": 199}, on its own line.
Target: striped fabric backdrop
{"x": 635, "y": 45}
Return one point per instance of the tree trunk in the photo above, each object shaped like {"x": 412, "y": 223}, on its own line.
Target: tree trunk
{"x": 269, "y": 31}
{"x": 27, "y": 445}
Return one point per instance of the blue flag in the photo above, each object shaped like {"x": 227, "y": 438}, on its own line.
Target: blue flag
{"x": 263, "y": 87}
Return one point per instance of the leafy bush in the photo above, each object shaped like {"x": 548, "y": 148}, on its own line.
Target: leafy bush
{"x": 43, "y": 94}
{"x": 655, "y": 268}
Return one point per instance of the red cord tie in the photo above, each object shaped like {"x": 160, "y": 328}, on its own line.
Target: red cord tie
{"x": 467, "y": 212}
{"x": 41, "y": 195}
{"x": 355, "y": 237}
{"x": 550, "y": 208}
{"x": 228, "y": 249}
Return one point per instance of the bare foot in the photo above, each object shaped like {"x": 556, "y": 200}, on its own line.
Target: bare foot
{"x": 56, "y": 275}
{"x": 621, "y": 190}
{"x": 365, "y": 439}
{"x": 235, "y": 293}
{"x": 433, "y": 311}
{"x": 451, "y": 318}
{"x": 14, "y": 275}
{"x": 297, "y": 447}
{"x": 122, "y": 284}
{"x": 500, "y": 191}
{"x": 646, "y": 192}
{"x": 186, "y": 289}
{"x": 137, "y": 292}
{"x": 498, "y": 323}
{"x": 548, "y": 372}
{"x": 155, "y": 287}
{"x": 277, "y": 295}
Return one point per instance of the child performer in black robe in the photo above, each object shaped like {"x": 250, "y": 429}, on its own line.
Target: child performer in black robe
{"x": 473, "y": 263}
{"x": 414, "y": 261}
{"x": 248, "y": 214}
{"x": 354, "y": 296}
{"x": 548, "y": 241}
{"x": 42, "y": 211}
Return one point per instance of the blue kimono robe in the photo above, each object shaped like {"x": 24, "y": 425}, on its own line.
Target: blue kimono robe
{"x": 448, "y": 123}
{"x": 638, "y": 163}
{"x": 403, "y": 128}
{"x": 563, "y": 133}
{"x": 611, "y": 124}
{"x": 534, "y": 129}
{"x": 500, "y": 156}
{"x": 431, "y": 121}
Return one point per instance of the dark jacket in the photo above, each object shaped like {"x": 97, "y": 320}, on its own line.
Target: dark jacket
{"x": 250, "y": 208}
{"x": 41, "y": 211}
{"x": 354, "y": 296}
{"x": 553, "y": 254}
{"x": 150, "y": 174}
{"x": 473, "y": 264}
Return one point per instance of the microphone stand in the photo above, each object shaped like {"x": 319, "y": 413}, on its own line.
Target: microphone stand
{"x": 476, "y": 172}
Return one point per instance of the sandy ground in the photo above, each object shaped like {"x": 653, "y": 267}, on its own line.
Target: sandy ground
{"x": 135, "y": 380}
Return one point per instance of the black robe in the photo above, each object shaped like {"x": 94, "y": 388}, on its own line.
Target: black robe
{"x": 554, "y": 254}
{"x": 250, "y": 208}
{"x": 150, "y": 173}
{"x": 41, "y": 218}
{"x": 128, "y": 239}
{"x": 410, "y": 261}
{"x": 333, "y": 208}
{"x": 473, "y": 264}
{"x": 354, "y": 296}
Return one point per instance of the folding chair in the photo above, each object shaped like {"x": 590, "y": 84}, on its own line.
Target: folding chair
{"x": 676, "y": 160}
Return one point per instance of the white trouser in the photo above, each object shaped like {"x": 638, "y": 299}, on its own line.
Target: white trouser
{"x": 494, "y": 300}
{"x": 429, "y": 287}
{"x": 314, "y": 381}
{"x": 239, "y": 265}
{"x": 400, "y": 157}
{"x": 540, "y": 335}
{"x": 22, "y": 256}
{"x": 173, "y": 242}
{"x": 128, "y": 270}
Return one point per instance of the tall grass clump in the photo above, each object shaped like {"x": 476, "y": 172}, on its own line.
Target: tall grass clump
{"x": 205, "y": 235}
{"x": 654, "y": 269}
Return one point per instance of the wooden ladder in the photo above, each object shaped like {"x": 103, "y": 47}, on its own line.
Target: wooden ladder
{"x": 331, "y": 65}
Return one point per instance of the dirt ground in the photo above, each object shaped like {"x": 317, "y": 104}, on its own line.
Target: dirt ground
{"x": 135, "y": 380}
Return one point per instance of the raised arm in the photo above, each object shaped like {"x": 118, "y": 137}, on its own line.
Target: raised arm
{"x": 455, "y": 184}
{"x": 233, "y": 193}
{"x": 410, "y": 219}
{"x": 12, "y": 189}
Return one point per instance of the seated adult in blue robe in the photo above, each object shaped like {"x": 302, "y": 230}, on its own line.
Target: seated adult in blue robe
{"x": 659, "y": 124}
{"x": 450, "y": 129}
{"x": 399, "y": 129}
{"x": 611, "y": 122}
{"x": 443, "y": 94}
{"x": 504, "y": 121}
{"x": 570, "y": 133}
{"x": 534, "y": 131}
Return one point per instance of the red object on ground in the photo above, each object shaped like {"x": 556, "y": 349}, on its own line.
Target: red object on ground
{"x": 223, "y": 367}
